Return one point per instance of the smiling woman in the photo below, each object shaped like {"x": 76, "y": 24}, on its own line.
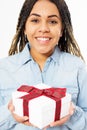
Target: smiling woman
{"x": 44, "y": 50}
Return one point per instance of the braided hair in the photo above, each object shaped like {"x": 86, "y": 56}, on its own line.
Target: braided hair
{"x": 67, "y": 42}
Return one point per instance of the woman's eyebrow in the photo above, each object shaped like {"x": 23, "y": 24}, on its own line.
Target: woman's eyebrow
{"x": 34, "y": 14}
{"x": 49, "y": 16}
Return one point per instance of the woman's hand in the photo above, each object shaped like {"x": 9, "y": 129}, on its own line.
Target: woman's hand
{"x": 23, "y": 120}
{"x": 64, "y": 119}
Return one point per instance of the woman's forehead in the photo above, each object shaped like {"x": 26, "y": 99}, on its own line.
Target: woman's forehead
{"x": 44, "y": 7}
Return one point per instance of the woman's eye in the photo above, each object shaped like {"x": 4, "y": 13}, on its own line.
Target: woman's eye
{"x": 35, "y": 20}
{"x": 53, "y": 22}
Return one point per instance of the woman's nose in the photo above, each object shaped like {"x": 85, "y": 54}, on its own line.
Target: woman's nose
{"x": 44, "y": 27}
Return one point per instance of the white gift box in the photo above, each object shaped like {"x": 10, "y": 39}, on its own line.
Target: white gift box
{"x": 42, "y": 108}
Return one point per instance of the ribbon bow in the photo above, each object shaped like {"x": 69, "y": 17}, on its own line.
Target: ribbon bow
{"x": 53, "y": 93}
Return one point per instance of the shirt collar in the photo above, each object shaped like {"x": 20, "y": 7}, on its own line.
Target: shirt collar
{"x": 56, "y": 55}
{"x": 25, "y": 54}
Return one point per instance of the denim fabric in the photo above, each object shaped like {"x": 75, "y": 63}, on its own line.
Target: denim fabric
{"x": 60, "y": 70}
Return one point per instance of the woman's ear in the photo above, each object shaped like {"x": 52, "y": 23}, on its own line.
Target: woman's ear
{"x": 25, "y": 32}
{"x": 60, "y": 33}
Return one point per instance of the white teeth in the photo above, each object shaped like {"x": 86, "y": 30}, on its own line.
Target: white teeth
{"x": 43, "y": 39}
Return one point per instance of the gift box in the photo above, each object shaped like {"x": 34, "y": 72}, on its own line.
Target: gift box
{"x": 42, "y": 103}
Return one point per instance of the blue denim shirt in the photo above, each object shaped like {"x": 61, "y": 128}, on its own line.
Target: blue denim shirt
{"x": 60, "y": 70}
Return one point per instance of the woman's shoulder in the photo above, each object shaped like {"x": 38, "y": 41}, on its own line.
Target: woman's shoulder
{"x": 9, "y": 61}
{"x": 13, "y": 62}
{"x": 72, "y": 60}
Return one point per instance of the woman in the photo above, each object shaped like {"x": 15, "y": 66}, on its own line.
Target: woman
{"x": 44, "y": 50}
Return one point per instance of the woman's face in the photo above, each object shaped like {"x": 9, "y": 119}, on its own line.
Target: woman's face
{"x": 43, "y": 27}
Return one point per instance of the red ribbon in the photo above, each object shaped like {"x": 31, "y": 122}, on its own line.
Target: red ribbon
{"x": 53, "y": 93}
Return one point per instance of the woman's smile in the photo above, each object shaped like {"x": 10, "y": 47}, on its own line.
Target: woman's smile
{"x": 43, "y": 40}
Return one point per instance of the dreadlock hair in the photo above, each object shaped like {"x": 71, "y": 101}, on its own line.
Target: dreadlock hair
{"x": 67, "y": 42}
{"x": 20, "y": 40}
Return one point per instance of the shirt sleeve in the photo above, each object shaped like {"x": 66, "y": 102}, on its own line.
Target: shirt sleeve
{"x": 6, "y": 120}
{"x": 79, "y": 119}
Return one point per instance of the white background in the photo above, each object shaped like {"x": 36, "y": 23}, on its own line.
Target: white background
{"x": 9, "y": 12}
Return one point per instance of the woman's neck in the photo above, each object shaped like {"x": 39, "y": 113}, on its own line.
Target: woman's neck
{"x": 39, "y": 58}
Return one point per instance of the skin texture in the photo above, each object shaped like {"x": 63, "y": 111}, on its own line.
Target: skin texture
{"x": 43, "y": 29}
